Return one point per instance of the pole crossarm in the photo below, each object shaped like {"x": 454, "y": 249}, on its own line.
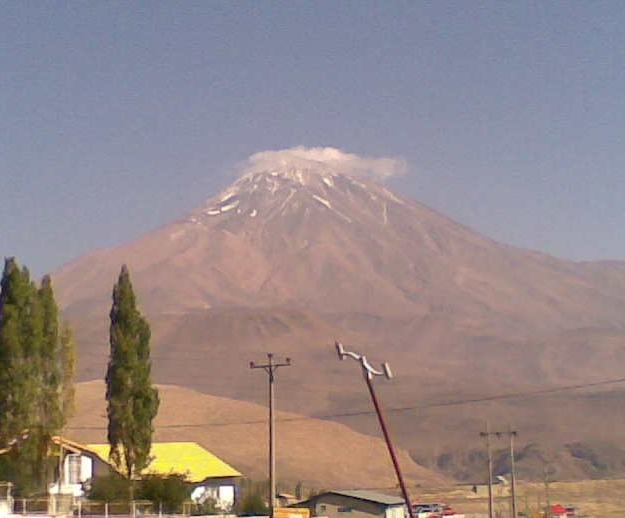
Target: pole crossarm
{"x": 272, "y": 366}
{"x": 499, "y": 434}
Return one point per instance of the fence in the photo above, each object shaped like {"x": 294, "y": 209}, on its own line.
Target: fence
{"x": 68, "y": 506}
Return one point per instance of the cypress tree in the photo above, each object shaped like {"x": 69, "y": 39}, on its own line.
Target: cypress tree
{"x": 51, "y": 413}
{"x": 34, "y": 450}
{"x": 36, "y": 375}
{"x": 67, "y": 356}
{"x": 132, "y": 400}
{"x": 13, "y": 295}
{"x": 21, "y": 335}
{"x": 56, "y": 376}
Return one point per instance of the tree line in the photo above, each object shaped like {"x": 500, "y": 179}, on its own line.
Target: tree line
{"x": 37, "y": 358}
{"x": 37, "y": 367}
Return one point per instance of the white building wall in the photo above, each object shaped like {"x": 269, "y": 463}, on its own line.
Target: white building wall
{"x": 395, "y": 512}
{"x": 223, "y": 495}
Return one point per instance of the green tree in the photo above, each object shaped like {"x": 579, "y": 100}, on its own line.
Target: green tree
{"x": 67, "y": 357}
{"x": 33, "y": 382}
{"x": 252, "y": 504}
{"x": 170, "y": 491}
{"x": 132, "y": 400}
{"x": 50, "y": 375}
{"x": 49, "y": 405}
{"x": 111, "y": 487}
{"x": 21, "y": 336}
{"x": 13, "y": 302}
{"x": 250, "y": 501}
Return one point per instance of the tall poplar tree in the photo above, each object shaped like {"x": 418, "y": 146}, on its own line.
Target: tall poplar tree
{"x": 50, "y": 407}
{"x": 14, "y": 289}
{"x": 132, "y": 400}
{"x": 36, "y": 376}
{"x": 20, "y": 340}
{"x": 67, "y": 358}
{"x": 21, "y": 336}
{"x": 57, "y": 355}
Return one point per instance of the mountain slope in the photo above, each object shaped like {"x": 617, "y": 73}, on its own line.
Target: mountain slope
{"x": 336, "y": 244}
{"x": 289, "y": 259}
{"x": 311, "y": 451}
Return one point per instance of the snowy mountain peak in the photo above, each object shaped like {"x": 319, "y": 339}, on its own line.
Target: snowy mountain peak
{"x": 294, "y": 188}
{"x": 295, "y": 178}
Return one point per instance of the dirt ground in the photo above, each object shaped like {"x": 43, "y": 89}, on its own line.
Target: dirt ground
{"x": 598, "y": 498}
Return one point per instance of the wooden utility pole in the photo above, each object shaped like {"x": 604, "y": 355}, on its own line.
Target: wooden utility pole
{"x": 512, "y": 434}
{"x": 547, "y": 495}
{"x": 487, "y": 435}
{"x": 270, "y": 367}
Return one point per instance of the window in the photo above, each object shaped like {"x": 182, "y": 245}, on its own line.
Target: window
{"x": 73, "y": 466}
{"x": 345, "y": 509}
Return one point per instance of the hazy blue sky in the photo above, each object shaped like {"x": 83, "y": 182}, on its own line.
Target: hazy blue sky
{"x": 117, "y": 117}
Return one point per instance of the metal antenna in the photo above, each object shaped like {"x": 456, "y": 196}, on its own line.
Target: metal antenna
{"x": 367, "y": 368}
{"x": 368, "y": 372}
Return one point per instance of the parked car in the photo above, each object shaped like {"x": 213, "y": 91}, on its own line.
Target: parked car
{"x": 427, "y": 510}
{"x": 433, "y": 510}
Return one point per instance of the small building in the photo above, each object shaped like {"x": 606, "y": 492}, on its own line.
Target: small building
{"x": 208, "y": 476}
{"x": 357, "y": 503}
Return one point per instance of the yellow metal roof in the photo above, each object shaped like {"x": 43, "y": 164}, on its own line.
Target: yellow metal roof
{"x": 187, "y": 458}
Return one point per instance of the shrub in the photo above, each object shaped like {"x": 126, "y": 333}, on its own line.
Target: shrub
{"x": 252, "y": 504}
{"x": 207, "y": 507}
{"x": 171, "y": 491}
{"x": 110, "y": 488}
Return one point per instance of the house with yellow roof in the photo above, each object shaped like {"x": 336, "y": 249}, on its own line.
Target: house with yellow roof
{"x": 207, "y": 475}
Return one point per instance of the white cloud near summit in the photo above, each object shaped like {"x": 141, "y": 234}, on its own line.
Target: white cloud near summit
{"x": 327, "y": 158}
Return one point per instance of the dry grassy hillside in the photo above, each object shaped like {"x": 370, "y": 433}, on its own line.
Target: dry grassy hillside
{"x": 321, "y": 454}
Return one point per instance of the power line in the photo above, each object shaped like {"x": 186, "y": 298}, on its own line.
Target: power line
{"x": 455, "y": 402}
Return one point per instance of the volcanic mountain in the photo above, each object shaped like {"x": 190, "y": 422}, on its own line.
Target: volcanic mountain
{"x": 288, "y": 259}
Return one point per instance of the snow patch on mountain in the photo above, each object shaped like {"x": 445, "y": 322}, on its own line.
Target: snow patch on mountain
{"x": 393, "y": 197}
{"x": 230, "y": 206}
{"x": 322, "y": 201}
